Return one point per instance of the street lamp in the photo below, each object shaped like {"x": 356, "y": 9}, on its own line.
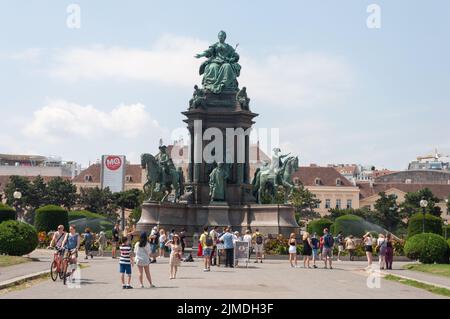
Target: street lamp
{"x": 446, "y": 225}
{"x": 17, "y": 196}
{"x": 423, "y": 203}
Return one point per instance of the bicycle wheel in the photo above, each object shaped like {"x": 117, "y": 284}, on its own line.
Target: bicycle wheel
{"x": 54, "y": 270}
{"x": 64, "y": 272}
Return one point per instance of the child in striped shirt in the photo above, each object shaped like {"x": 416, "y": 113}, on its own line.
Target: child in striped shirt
{"x": 125, "y": 262}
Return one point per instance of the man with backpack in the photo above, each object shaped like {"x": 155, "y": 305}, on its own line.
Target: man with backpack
{"x": 328, "y": 244}
{"x": 207, "y": 243}
{"x": 259, "y": 245}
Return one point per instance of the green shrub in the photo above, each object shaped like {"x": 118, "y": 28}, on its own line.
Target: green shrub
{"x": 428, "y": 248}
{"x": 17, "y": 238}
{"x": 318, "y": 225}
{"x": 47, "y": 218}
{"x": 433, "y": 224}
{"x": 6, "y": 213}
{"x": 96, "y": 222}
{"x": 349, "y": 225}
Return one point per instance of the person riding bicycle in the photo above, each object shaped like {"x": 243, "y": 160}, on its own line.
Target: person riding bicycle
{"x": 57, "y": 240}
{"x": 72, "y": 244}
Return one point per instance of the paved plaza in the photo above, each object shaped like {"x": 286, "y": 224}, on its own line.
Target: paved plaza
{"x": 271, "y": 279}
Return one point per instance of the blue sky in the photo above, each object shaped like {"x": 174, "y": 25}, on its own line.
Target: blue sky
{"x": 338, "y": 91}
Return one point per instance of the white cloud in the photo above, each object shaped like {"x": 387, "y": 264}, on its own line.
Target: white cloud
{"x": 294, "y": 79}
{"x": 59, "y": 119}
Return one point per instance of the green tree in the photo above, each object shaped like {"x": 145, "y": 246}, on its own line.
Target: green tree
{"x": 98, "y": 201}
{"x": 363, "y": 212}
{"x": 38, "y": 193}
{"x": 304, "y": 203}
{"x": 411, "y": 205}
{"x": 386, "y": 211}
{"x": 61, "y": 192}
{"x": 20, "y": 183}
{"x": 129, "y": 199}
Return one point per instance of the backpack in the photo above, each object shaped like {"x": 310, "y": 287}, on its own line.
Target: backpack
{"x": 259, "y": 239}
{"x": 209, "y": 241}
{"x": 328, "y": 239}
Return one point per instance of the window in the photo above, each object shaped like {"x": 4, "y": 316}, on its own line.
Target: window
{"x": 349, "y": 203}
{"x": 88, "y": 178}
{"x": 317, "y": 181}
{"x": 327, "y": 203}
{"x": 128, "y": 178}
{"x": 338, "y": 204}
{"x": 408, "y": 181}
{"x": 338, "y": 182}
{"x": 318, "y": 205}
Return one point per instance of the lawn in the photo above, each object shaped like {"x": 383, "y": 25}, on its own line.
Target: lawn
{"x": 435, "y": 269}
{"x": 13, "y": 260}
{"x": 413, "y": 283}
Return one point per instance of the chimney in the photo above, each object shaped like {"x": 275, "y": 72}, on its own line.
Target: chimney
{"x": 257, "y": 151}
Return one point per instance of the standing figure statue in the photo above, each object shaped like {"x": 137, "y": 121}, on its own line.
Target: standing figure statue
{"x": 222, "y": 68}
{"x": 243, "y": 99}
{"x": 164, "y": 162}
{"x": 217, "y": 183}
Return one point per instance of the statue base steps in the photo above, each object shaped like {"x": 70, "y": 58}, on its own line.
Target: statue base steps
{"x": 269, "y": 219}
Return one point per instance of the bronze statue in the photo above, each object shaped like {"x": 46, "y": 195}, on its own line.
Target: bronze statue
{"x": 217, "y": 183}
{"x": 243, "y": 99}
{"x": 198, "y": 98}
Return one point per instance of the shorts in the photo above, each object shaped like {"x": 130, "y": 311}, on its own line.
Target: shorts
{"x": 315, "y": 252}
{"x": 368, "y": 248}
{"x": 327, "y": 252}
{"x": 142, "y": 263}
{"x": 207, "y": 252}
{"x": 259, "y": 248}
{"x": 292, "y": 249}
{"x": 125, "y": 269}
{"x": 161, "y": 245}
{"x": 341, "y": 248}
{"x": 153, "y": 248}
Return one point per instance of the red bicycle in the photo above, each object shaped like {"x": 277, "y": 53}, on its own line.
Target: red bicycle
{"x": 67, "y": 260}
{"x": 56, "y": 269}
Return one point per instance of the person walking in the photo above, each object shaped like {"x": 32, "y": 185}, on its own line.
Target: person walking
{"x": 292, "y": 250}
{"x": 227, "y": 240}
{"x": 115, "y": 239}
{"x": 307, "y": 250}
{"x": 175, "y": 255}
{"x": 248, "y": 238}
{"x": 125, "y": 262}
{"x": 101, "y": 242}
{"x": 162, "y": 242}
{"x": 368, "y": 242}
{"x": 154, "y": 241}
{"x": 389, "y": 251}
{"x": 381, "y": 249}
{"x": 183, "y": 240}
{"x": 215, "y": 237}
{"x": 142, "y": 253}
{"x": 340, "y": 242}
{"x": 350, "y": 246}
{"x": 315, "y": 249}
{"x": 207, "y": 246}
{"x": 259, "y": 245}
{"x": 327, "y": 251}
{"x": 88, "y": 240}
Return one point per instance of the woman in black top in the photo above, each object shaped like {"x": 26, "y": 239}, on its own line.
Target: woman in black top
{"x": 307, "y": 249}
{"x": 389, "y": 251}
{"x": 293, "y": 250}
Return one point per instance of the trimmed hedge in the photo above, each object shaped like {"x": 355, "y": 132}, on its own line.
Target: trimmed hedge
{"x": 433, "y": 224}
{"x": 317, "y": 226}
{"x": 6, "y": 213}
{"x": 17, "y": 238}
{"x": 349, "y": 225}
{"x": 428, "y": 248}
{"x": 47, "y": 218}
{"x": 96, "y": 222}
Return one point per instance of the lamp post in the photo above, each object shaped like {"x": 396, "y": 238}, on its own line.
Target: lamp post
{"x": 445, "y": 226}
{"x": 423, "y": 203}
{"x": 17, "y": 196}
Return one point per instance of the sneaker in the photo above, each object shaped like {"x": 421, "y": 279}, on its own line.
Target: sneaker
{"x": 152, "y": 286}
{"x": 129, "y": 287}
{"x": 205, "y": 270}
{"x": 124, "y": 287}
{"x": 314, "y": 266}
{"x": 331, "y": 267}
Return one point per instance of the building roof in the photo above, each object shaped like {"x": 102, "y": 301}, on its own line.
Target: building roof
{"x": 133, "y": 170}
{"x": 327, "y": 175}
{"x": 346, "y": 169}
{"x": 441, "y": 191}
{"x": 416, "y": 177}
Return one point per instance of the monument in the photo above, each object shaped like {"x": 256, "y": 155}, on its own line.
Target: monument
{"x": 218, "y": 190}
